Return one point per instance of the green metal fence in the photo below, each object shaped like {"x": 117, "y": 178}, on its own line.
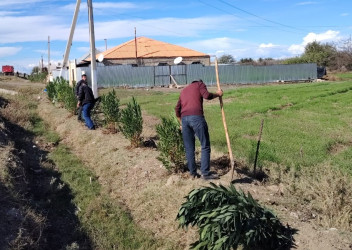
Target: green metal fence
{"x": 126, "y": 75}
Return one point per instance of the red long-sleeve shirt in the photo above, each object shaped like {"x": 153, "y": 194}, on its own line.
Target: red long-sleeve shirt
{"x": 190, "y": 101}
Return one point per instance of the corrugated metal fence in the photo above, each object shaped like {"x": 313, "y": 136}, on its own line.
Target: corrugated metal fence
{"x": 126, "y": 75}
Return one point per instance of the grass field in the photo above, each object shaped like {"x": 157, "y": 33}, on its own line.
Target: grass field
{"x": 304, "y": 124}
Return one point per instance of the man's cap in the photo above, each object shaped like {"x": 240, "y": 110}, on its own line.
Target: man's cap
{"x": 198, "y": 80}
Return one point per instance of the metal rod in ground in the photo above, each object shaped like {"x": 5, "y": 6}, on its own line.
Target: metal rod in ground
{"x": 258, "y": 145}
{"x": 232, "y": 162}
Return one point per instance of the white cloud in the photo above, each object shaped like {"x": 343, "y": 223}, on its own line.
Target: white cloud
{"x": 306, "y": 3}
{"x": 221, "y": 44}
{"x": 327, "y": 36}
{"x": 235, "y": 47}
{"x": 98, "y": 7}
{"x": 114, "y": 5}
{"x": 45, "y": 52}
{"x": 268, "y": 45}
{"x": 38, "y": 28}
{"x": 296, "y": 49}
{"x": 187, "y": 27}
{"x": 19, "y": 3}
{"x": 9, "y": 13}
{"x": 83, "y": 49}
{"x": 9, "y": 51}
{"x": 345, "y": 14}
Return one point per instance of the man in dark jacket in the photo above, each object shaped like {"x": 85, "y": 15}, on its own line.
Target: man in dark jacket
{"x": 78, "y": 85}
{"x": 189, "y": 112}
{"x": 86, "y": 100}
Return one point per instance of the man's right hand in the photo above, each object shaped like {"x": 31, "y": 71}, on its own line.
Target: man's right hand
{"x": 219, "y": 92}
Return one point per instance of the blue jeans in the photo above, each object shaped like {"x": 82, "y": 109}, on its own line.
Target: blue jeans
{"x": 196, "y": 125}
{"x": 86, "y": 114}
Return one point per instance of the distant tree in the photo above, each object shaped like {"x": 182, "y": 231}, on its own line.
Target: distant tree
{"x": 35, "y": 70}
{"x": 294, "y": 60}
{"x": 321, "y": 54}
{"x": 246, "y": 61}
{"x": 344, "y": 56}
{"x": 265, "y": 61}
{"x": 226, "y": 59}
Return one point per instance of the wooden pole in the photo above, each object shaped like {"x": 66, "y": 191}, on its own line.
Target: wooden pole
{"x": 135, "y": 43}
{"x": 232, "y": 162}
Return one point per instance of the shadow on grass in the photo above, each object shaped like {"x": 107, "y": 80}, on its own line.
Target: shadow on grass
{"x": 35, "y": 185}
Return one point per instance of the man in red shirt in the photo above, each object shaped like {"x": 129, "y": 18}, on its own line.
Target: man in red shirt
{"x": 189, "y": 112}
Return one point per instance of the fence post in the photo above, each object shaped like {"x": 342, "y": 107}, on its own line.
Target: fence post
{"x": 169, "y": 75}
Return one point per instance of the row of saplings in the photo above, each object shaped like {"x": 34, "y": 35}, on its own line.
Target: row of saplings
{"x": 226, "y": 218}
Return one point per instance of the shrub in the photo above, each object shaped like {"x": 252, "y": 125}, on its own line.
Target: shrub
{"x": 69, "y": 99}
{"x": 227, "y": 218}
{"x": 172, "y": 151}
{"x": 60, "y": 91}
{"x": 38, "y": 77}
{"x": 51, "y": 90}
{"x": 132, "y": 123}
{"x": 110, "y": 105}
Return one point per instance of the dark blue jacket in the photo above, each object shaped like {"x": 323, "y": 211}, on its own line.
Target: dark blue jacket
{"x": 85, "y": 94}
{"x": 78, "y": 85}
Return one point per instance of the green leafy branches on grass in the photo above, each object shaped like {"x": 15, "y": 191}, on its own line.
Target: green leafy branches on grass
{"x": 228, "y": 218}
{"x": 170, "y": 145}
{"x": 132, "y": 123}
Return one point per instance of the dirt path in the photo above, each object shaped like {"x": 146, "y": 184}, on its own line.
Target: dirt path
{"x": 136, "y": 180}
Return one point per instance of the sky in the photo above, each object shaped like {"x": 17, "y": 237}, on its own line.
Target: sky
{"x": 244, "y": 29}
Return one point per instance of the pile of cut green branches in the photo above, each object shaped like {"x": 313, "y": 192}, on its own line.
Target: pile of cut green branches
{"x": 228, "y": 218}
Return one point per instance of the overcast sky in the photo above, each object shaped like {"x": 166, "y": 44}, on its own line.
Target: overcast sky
{"x": 251, "y": 28}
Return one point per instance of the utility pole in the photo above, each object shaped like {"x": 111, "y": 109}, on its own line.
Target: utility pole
{"x": 92, "y": 49}
{"x": 69, "y": 42}
{"x": 135, "y": 43}
{"x": 42, "y": 65}
{"x": 106, "y": 44}
{"x": 49, "y": 57}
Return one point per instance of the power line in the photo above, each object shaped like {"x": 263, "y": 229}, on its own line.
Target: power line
{"x": 259, "y": 24}
{"x": 249, "y": 13}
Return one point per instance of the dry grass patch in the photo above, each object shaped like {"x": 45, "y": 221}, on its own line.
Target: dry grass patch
{"x": 322, "y": 194}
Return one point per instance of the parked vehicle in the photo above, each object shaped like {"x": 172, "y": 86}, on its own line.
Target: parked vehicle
{"x": 8, "y": 70}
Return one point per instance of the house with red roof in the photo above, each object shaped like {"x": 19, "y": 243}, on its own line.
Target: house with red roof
{"x": 144, "y": 51}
